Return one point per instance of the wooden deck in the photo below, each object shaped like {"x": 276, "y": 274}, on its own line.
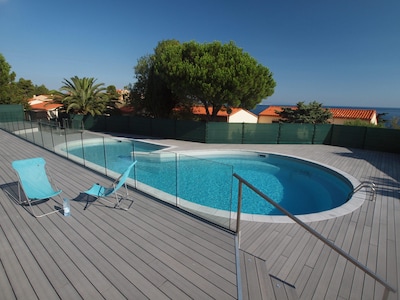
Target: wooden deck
{"x": 154, "y": 251}
{"x": 295, "y": 258}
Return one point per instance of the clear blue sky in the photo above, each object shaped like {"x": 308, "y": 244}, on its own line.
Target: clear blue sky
{"x": 336, "y": 52}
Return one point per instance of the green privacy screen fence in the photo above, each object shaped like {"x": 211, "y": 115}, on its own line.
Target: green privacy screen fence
{"x": 371, "y": 138}
{"x": 11, "y": 113}
{"x": 380, "y": 139}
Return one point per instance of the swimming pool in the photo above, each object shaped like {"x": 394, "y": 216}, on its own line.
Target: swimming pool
{"x": 205, "y": 178}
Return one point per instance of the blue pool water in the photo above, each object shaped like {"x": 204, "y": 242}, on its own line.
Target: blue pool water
{"x": 300, "y": 187}
{"x": 112, "y": 154}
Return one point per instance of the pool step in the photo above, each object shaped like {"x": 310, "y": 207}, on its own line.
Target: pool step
{"x": 259, "y": 284}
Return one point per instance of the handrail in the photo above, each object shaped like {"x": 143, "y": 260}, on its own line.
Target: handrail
{"x": 363, "y": 184}
{"x": 308, "y": 228}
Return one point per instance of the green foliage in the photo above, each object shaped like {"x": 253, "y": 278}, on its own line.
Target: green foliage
{"x": 113, "y": 98}
{"x": 112, "y": 93}
{"x": 312, "y": 113}
{"x": 150, "y": 95}
{"x": 394, "y": 123}
{"x": 19, "y": 92}
{"x": 83, "y": 96}
{"x": 362, "y": 123}
{"x": 6, "y": 79}
{"x": 214, "y": 74}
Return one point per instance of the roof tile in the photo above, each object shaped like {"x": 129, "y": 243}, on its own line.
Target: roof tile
{"x": 337, "y": 113}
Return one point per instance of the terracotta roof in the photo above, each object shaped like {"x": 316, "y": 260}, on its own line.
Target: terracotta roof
{"x": 45, "y": 106}
{"x": 201, "y": 110}
{"x": 337, "y": 113}
{"x": 270, "y": 111}
{"x": 347, "y": 113}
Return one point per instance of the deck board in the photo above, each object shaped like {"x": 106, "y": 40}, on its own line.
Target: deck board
{"x": 155, "y": 251}
{"x": 152, "y": 251}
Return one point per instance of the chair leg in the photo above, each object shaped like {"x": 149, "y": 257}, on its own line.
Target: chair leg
{"x": 45, "y": 214}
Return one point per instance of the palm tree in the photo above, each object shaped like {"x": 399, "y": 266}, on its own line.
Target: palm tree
{"x": 83, "y": 96}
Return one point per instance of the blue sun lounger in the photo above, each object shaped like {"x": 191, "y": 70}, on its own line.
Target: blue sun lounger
{"x": 34, "y": 182}
{"x": 99, "y": 191}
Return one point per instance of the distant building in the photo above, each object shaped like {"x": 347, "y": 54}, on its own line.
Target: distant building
{"x": 342, "y": 115}
{"x": 339, "y": 115}
{"x": 235, "y": 115}
{"x": 43, "y": 107}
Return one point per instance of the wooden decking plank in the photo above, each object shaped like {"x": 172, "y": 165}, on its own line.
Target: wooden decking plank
{"x": 81, "y": 255}
{"x": 255, "y": 278}
{"x": 161, "y": 245}
{"x": 265, "y": 284}
{"x": 197, "y": 243}
{"x": 6, "y": 290}
{"x": 380, "y": 220}
{"x": 272, "y": 251}
{"x": 113, "y": 276}
{"x": 73, "y": 204}
{"x": 258, "y": 242}
{"x": 185, "y": 252}
{"x": 136, "y": 226}
{"x": 183, "y": 281}
{"x": 314, "y": 254}
{"x": 310, "y": 287}
{"x": 327, "y": 278}
{"x": 31, "y": 268}
{"x": 304, "y": 276}
{"x": 293, "y": 254}
{"x": 279, "y": 289}
{"x": 283, "y": 290}
{"x": 126, "y": 277}
{"x": 144, "y": 241}
{"x": 15, "y": 273}
{"x": 173, "y": 292}
{"x": 250, "y": 281}
{"x": 263, "y": 242}
{"x": 217, "y": 243}
{"x": 48, "y": 264}
{"x": 303, "y": 256}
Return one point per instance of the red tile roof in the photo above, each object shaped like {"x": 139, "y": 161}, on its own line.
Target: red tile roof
{"x": 45, "y": 106}
{"x": 337, "y": 113}
{"x": 347, "y": 113}
{"x": 270, "y": 111}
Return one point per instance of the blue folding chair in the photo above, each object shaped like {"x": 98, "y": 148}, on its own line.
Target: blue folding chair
{"x": 34, "y": 182}
{"x": 98, "y": 191}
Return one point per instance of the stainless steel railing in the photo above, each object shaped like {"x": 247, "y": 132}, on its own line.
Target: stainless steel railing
{"x": 306, "y": 227}
{"x": 364, "y": 184}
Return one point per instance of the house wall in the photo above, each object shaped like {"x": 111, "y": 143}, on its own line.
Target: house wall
{"x": 341, "y": 121}
{"x": 267, "y": 119}
{"x": 242, "y": 116}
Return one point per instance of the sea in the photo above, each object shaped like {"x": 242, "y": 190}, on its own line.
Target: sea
{"x": 389, "y": 112}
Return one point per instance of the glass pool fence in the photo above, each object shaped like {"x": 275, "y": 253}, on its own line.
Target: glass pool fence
{"x": 168, "y": 176}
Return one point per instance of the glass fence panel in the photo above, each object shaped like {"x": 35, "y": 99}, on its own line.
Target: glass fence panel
{"x": 46, "y": 129}
{"x": 30, "y": 129}
{"x": 72, "y": 146}
{"x": 197, "y": 185}
{"x": 155, "y": 174}
{"x": 9, "y": 125}
{"x": 205, "y": 188}
{"x": 117, "y": 155}
{"x": 80, "y": 147}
